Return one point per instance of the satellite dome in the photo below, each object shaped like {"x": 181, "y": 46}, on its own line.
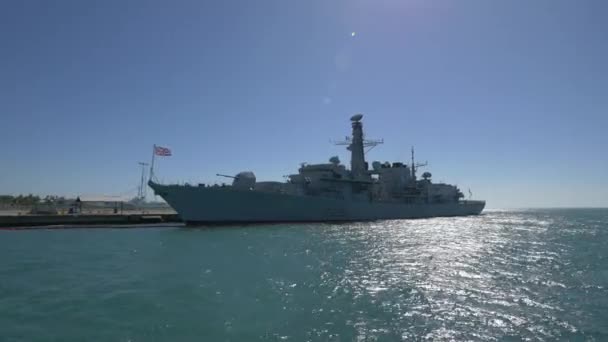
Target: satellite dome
{"x": 376, "y": 165}
{"x": 334, "y": 160}
{"x": 356, "y": 117}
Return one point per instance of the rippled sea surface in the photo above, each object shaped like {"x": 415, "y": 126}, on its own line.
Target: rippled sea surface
{"x": 505, "y": 275}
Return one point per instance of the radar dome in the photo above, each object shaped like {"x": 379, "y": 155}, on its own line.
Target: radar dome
{"x": 376, "y": 165}
{"x": 356, "y": 117}
{"x": 334, "y": 160}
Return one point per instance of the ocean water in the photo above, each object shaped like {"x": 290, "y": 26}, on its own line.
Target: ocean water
{"x": 506, "y": 275}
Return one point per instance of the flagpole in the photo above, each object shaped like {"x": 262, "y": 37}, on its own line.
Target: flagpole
{"x": 152, "y": 162}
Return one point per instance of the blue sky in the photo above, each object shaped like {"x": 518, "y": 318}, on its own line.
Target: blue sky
{"x": 508, "y": 98}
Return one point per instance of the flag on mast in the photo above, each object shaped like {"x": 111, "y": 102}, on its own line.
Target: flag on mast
{"x": 158, "y": 151}
{"x": 162, "y": 151}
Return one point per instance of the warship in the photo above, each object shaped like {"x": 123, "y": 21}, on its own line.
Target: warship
{"x": 322, "y": 192}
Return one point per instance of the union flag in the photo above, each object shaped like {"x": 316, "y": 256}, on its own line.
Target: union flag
{"x": 162, "y": 151}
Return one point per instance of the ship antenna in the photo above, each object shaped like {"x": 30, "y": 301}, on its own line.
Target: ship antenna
{"x": 416, "y": 166}
{"x": 141, "y": 191}
{"x": 413, "y": 165}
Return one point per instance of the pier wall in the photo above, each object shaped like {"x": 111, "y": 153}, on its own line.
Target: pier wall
{"x": 13, "y": 221}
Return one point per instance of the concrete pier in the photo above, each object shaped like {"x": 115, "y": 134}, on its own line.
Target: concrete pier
{"x": 44, "y": 221}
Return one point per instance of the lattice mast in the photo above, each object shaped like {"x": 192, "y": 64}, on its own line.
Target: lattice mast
{"x": 141, "y": 190}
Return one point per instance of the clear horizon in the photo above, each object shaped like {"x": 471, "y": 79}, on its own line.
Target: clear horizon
{"x": 508, "y": 99}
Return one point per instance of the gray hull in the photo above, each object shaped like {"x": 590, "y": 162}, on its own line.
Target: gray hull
{"x": 205, "y": 205}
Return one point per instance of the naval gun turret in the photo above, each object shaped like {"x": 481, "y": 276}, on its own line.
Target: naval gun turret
{"x": 243, "y": 180}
